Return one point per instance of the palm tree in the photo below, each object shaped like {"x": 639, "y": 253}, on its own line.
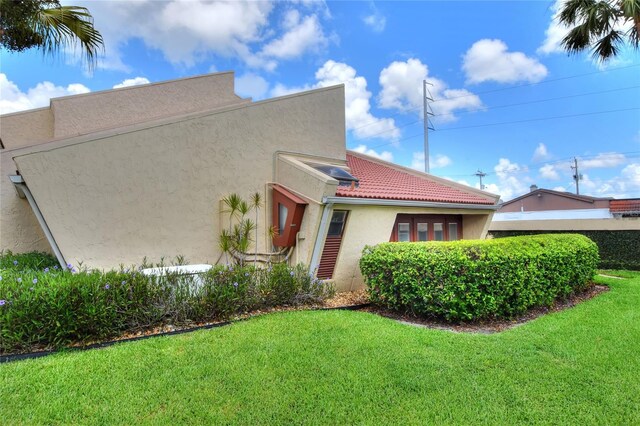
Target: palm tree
{"x": 599, "y": 25}
{"x": 49, "y": 26}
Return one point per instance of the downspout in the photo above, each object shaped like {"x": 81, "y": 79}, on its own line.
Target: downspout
{"x": 322, "y": 233}
{"x": 23, "y": 191}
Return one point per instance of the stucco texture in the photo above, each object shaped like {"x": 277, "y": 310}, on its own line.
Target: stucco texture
{"x": 153, "y": 190}
{"x": 370, "y": 225}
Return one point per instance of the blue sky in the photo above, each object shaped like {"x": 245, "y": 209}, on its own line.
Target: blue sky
{"x": 507, "y": 100}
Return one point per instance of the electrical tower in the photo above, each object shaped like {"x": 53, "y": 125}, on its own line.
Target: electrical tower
{"x": 426, "y": 95}
{"x": 577, "y": 176}
{"x": 480, "y": 175}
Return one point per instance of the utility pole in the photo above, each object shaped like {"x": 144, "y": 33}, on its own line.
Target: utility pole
{"x": 426, "y": 98}
{"x": 480, "y": 175}
{"x": 577, "y": 176}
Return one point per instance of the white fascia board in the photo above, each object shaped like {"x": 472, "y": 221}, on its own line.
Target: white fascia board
{"x": 406, "y": 203}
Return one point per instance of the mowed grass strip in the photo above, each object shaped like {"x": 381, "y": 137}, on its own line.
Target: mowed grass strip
{"x": 578, "y": 366}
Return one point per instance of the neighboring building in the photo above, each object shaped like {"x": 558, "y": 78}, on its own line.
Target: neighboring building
{"x": 613, "y": 224}
{"x": 108, "y": 178}
{"x": 548, "y": 210}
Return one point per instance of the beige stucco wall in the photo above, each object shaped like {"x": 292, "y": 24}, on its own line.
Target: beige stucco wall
{"x": 617, "y": 224}
{"x": 370, "y": 225}
{"x": 153, "y": 190}
{"x": 26, "y": 128}
{"x": 81, "y": 114}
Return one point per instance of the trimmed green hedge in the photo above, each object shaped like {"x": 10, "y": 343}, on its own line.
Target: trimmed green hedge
{"x": 479, "y": 279}
{"x": 618, "y": 249}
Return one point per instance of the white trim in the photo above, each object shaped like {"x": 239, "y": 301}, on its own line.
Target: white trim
{"x": 405, "y": 203}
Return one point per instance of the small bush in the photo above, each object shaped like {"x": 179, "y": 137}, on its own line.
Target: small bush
{"x": 51, "y": 307}
{"x": 27, "y": 261}
{"x": 472, "y": 280}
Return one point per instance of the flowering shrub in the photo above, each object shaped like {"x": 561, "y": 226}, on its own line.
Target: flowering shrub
{"x": 51, "y": 307}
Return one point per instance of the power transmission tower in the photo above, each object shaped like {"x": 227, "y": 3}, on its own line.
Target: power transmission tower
{"x": 427, "y": 112}
{"x": 480, "y": 175}
{"x": 577, "y": 176}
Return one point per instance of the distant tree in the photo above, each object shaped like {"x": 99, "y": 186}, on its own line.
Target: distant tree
{"x": 596, "y": 25}
{"x": 48, "y": 26}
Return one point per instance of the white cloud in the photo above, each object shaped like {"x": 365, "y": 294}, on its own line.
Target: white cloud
{"x": 384, "y": 155}
{"x": 541, "y": 153}
{"x": 191, "y": 32}
{"x": 549, "y": 171}
{"x": 511, "y": 182}
{"x": 437, "y": 161}
{"x": 302, "y": 36}
{"x": 132, "y": 82}
{"x": 554, "y": 32}
{"x": 251, "y": 85}
{"x": 376, "y": 21}
{"x": 402, "y": 90}
{"x": 358, "y": 116}
{"x": 490, "y": 60}
{"x": 560, "y": 188}
{"x": 12, "y": 99}
{"x": 603, "y": 160}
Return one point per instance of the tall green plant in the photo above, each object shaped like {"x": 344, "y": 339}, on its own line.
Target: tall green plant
{"x": 256, "y": 201}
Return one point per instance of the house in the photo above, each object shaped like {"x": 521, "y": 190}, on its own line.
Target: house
{"x": 548, "y": 210}
{"x": 108, "y": 178}
{"x": 614, "y": 225}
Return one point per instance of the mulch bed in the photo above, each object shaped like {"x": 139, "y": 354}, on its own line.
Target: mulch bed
{"x": 489, "y": 326}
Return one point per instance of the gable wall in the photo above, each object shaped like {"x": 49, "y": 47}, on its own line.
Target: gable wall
{"x": 116, "y": 198}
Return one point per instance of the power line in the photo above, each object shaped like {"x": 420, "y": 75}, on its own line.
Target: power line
{"x": 510, "y": 122}
{"x": 547, "y": 100}
{"x": 539, "y": 119}
{"x": 537, "y": 83}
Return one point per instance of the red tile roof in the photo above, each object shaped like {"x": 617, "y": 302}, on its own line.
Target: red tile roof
{"x": 625, "y": 206}
{"x": 381, "y": 180}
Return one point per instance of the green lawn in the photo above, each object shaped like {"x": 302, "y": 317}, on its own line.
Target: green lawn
{"x": 580, "y": 366}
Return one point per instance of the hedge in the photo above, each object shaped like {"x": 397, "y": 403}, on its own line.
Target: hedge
{"x": 478, "y": 279}
{"x": 618, "y": 249}
{"x": 51, "y": 307}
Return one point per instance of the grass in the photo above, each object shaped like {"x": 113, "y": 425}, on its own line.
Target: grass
{"x": 578, "y": 366}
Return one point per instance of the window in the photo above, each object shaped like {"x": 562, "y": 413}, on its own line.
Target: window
{"x": 286, "y": 215}
{"x": 423, "y": 231}
{"x": 337, "y": 223}
{"x": 453, "y": 231}
{"x": 282, "y": 217}
{"x": 427, "y": 227}
{"x": 438, "y": 232}
{"x": 404, "y": 232}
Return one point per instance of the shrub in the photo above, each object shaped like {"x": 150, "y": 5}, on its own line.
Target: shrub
{"x": 53, "y": 307}
{"x": 472, "y": 280}
{"x": 618, "y": 249}
{"x": 27, "y": 261}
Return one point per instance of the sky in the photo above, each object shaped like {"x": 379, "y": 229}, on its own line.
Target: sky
{"x": 507, "y": 101}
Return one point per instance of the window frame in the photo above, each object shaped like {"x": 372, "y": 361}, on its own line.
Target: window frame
{"x": 430, "y": 220}
{"x": 295, "y": 211}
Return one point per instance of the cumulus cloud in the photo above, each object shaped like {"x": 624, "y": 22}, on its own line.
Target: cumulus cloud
{"x": 513, "y": 180}
{"x": 251, "y": 85}
{"x": 358, "y": 116}
{"x": 12, "y": 99}
{"x": 384, "y": 155}
{"x": 401, "y": 84}
{"x": 132, "y": 82}
{"x": 490, "y": 60}
{"x": 541, "y": 153}
{"x": 437, "y": 161}
{"x": 190, "y": 32}
{"x": 302, "y": 36}
{"x": 549, "y": 171}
